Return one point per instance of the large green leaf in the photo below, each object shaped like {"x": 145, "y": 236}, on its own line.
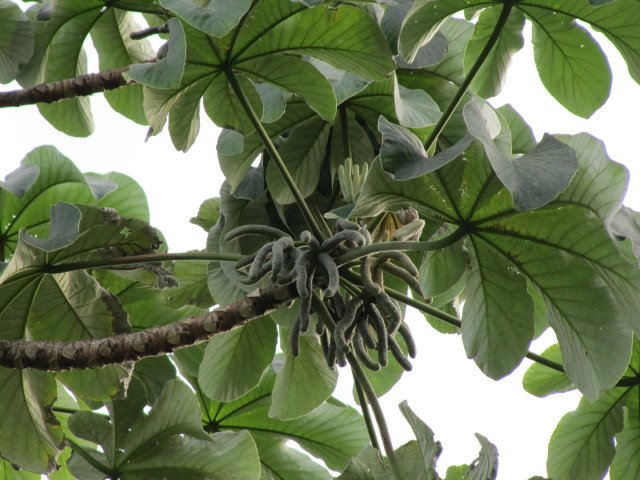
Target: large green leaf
{"x": 626, "y": 462}
{"x": 489, "y": 321}
{"x": 296, "y": 76}
{"x": 429, "y": 447}
{"x": 582, "y": 445}
{"x": 404, "y": 157}
{"x": 16, "y": 40}
{"x": 303, "y": 154}
{"x": 563, "y": 250}
{"x": 626, "y": 225}
{"x": 522, "y": 137}
{"x": 58, "y": 180}
{"x": 491, "y": 76}
{"x": 234, "y": 163}
{"x": 533, "y": 179}
{"x": 234, "y": 361}
{"x": 616, "y": 20}
{"x": 332, "y": 432}
{"x": 423, "y": 20}
{"x": 485, "y": 467}
{"x": 540, "y": 380}
{"x": 110, "y": 37}
{"x": 571, "y": 64}
{"x": 213, "y": 17}
{"x": 71, "y": 301}
{"x": 20, "y": 180}
{"x": 30, "y": 436}
{"x": 58, "y": 55}
{"x": 281, "y": 462}
{"x": 303, "y": 382}
{"x": 169, "y": 440}
{"x": 254, "y": 49}
{"x": 167, "y": 71}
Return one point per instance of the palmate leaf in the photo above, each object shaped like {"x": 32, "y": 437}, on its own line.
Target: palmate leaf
{"x": 30, "y": 436}
{"x": 564, "y": 251}
{"x": 344, "y": 37}
{"x": 541, "y": 381}
{"x": 168, "y": 441}
{"x": 533, "y": 179}
{"x": 310, "y": 134}
{"x": 215, "y": 17}
{"x": 110, "y": 37}
{"x": 626, "y": 462}
{"x": 333, "y": 432}
{"x": 167, "y": 71}
{"x": 72, "y": 305}
{"x": 58, "y": 54}
{"x": 571, "y": 65}
{"x": 582, "y": 445}
{"x": 234, "y": 361}
{"x": 16, "y": 40}
{"x": 302, "y": 383}
{"x": 281, "y": 462}
{"x": 304, "y": 154}
{"x": 428, "y": 446}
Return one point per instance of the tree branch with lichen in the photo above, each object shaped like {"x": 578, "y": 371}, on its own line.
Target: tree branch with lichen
{"x": 80, "y": 86}
{"x": 93, "y": 353}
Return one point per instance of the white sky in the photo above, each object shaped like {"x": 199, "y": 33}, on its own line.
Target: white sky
{"x": 445, "y": 389}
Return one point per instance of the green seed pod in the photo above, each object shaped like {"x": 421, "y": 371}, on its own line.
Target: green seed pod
{"x": 403, "y": 275}
{"x": 341, "y": 359}
{"x": 295, "y": 338}
{"x": 362, "y": 326}
{"x": 308, "y": 238}
{"x": 341, "y": 334}
{"x": 278, "y": 256}
{"x": 402, "y": 259}
{"x": 332, "y": 274}
{"x": 304, "y": 269}
{"x": 288, "y": 272}
{"x": 305, "y": 314}
{"x": 338, "y": 305}
{"x": 399, "y": 355}
{"x": 390, "y": 310}
{"x": 324, "y": 341}
{"x": 371, "y": 287}
{"x": 320, "y": 329}
{"x": 377, "y": 321}
{"x": 410, "y": 231}
{"x": 405, "y": 333}
{"x": 243, "y": 230}
{"x": 365, "y": 233}
{"x": 264, "y": 270}
{"x": 260, "y": 259}
{"x": 378, "y": 273}
{"x": 343, "y": 236}
{"x": 363, "y": 355}
{"x": 277, "y": 259}
{"x": 345, "y": 224}
{"x": 331, "y": 356}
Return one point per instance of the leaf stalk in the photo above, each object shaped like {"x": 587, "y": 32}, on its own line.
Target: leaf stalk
{"x": 471, "y": 75}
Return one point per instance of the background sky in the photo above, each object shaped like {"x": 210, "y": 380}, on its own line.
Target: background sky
{"x": 445, "y": 388}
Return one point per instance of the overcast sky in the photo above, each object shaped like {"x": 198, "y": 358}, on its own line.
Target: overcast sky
{"x": 445, "y": 389}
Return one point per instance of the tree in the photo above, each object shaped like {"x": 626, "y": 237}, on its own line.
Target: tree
{"x": 365, "y": 172}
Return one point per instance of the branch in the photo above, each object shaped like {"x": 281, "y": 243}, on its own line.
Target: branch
{"x": 69, "y": 88}
{"x": 92, "y": 353}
